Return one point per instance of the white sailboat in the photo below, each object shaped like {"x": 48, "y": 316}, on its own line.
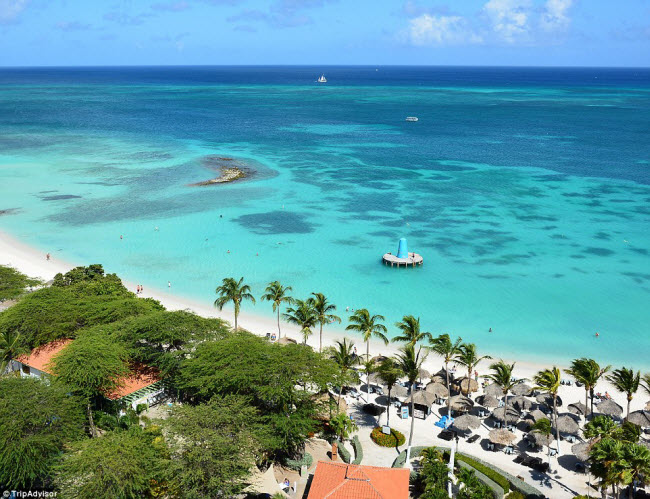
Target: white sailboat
{"x": 322, "y": 79}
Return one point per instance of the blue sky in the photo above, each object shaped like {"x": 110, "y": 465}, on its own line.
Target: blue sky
{"x": 375, "y": 32}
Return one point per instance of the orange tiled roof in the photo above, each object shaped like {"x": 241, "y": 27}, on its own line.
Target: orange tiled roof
{"x": 140, "y": 377}
{"x": 40, "y": 357}
{"x": 349, "y": 481}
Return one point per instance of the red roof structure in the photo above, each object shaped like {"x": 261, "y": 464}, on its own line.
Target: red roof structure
{"x": 40, "y": 357}
{"x": 349, "y": 481}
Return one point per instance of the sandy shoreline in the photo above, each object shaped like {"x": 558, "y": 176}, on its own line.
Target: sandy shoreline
{"x": 33, "y": 263}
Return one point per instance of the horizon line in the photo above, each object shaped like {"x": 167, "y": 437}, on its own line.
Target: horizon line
{"x": 57, "y": 66}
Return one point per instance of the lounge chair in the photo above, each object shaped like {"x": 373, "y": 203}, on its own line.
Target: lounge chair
{"x": 473, "y": 439}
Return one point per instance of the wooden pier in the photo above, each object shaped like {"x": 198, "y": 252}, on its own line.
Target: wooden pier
{"x": 412, "y": 260}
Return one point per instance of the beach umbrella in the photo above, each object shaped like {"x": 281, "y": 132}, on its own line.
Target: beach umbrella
{"x": 536, "y": 415}
{"x": 466, "y": 385}
{"x": 379, "y": 359}
{"x": 461, "y": 403}
{"x": 640, "y": 418}
{"x": 398, "y": 391}
{"x": 578, "y": 408}
{"x": 566, "y": 424}
{"x": 501, "y": 436}
{"x": 441, "y": 380}
{"x": 581, "y": 450}
{"x": 540, "y": 439}
{"x": 520, "y": 403}
{"x": 610, "y": 408}
{"x": 285, "y": 340}
{"x": 466, "y": 422}
{"x": 422, "y": 398}
{"x": 436, "y": 389}
{"x": 493, "y": 389}
{"x": 522, "y": 389}
{"x": 423, "y": 373}
{"x": 547, "y": 399}
{"x": 647, "y": 405}
{"x": 374, "y": 379}
{"x": 487, "y": 401}
{"x": 500, "y": 414}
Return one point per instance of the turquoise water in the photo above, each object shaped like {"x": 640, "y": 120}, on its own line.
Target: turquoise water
{"x": 526, "y": 191}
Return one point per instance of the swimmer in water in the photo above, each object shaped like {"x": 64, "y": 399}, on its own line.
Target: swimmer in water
{"x": 597, "y": 335}
{"x": 121, "y": 236}
{"x": 490, "y": 330}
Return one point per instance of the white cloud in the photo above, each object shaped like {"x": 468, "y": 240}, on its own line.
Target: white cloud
{"x": 509, "y": 19}
{"x": 9, "y": 9}
{"x": 555, "y": 16}
{"x": 428, "y": 29}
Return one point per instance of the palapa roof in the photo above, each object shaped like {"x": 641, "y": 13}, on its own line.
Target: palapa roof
{"x": 566, "y": 424}
{"x": 499, "y": 414}
{"x": 520, "y": 403}
{"x": 465, "y": 385}
{"x": 547, "y": 399}
{"x": 493, "y": 389}
{"x": 487, "y": 401}
{"x": 461, "y": 403}
{"x": 264, "y": 483}
{"x": 579, "y": 408}
{"x": 609, "y": 408}
{"x": 436, "y": 389}
{"x": 641, "y": 418}
{"x": 285, "y": 340}
{"x": 536, "y": 415}
{"x": 581, "y": 450}
{"x": 421, "y": 397}
{"x": 347, "y": 481}
{"x": 501, "y": 436}
{"x": 398, "y": 391}
{"x": 521, "y": 389}
{"x": 466, "y": 422}
{"x": 541, "y": 439}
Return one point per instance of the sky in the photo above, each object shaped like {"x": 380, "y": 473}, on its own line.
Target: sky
{"x": 325, "y": 32}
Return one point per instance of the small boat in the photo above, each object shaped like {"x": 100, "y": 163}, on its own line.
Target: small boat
{"x": 322, "y": 79}
{"x": 411, "y": 118}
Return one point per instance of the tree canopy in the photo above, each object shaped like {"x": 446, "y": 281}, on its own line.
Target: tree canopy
{"x": 14, "y": 283}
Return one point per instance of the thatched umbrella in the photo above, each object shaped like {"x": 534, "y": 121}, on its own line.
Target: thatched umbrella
{"x": 610, "y": 408}
{"x": 397, "y": 391}
{"x": 461, "y": 403}
{"x": 520, "y": 403}
{"x": 465, "y": 385}
{"x": 423, "y": 373}
{"x": 493, "y": 389}
{"x": 641, "y": 418}
{"x": 436, "y": 389}
{"x": 375, "y": 379}
{"x": 441, "y": 380}
{"x": 421, "y": 398}
{"x": 286, "y": 340}
{"x": 521, "y": 389}
{"x": 379, "y": 359}
{"x": 540, "y": 439}
{"x": 487, "y": 401}
{"x": 500, "y": 414}
{"x": 466, "y": 422}
{"x": 578, "y": 408}
{"x": 501, "y": 436}
{"x": 581, "y": 451}
{"x": 647, "y": 405}
{"x": 536, "y": 415}
{"x": 566, "y": 424}
{"x": 547, "y": 399}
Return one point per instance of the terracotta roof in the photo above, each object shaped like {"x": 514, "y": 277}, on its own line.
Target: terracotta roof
{"x": 40, "y": 357}
{"x": 349, "y": 481}
{"x": 141, "y": 376}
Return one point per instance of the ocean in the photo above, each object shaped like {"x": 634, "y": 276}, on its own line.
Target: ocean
{"x": 526, "y": 190}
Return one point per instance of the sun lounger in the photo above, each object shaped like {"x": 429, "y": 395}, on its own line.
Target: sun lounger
{"x": 473, "y": 439}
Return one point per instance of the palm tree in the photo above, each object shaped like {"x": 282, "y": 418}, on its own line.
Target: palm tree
{"x": 549, "y": 380}
{"x": 637, "y": 458}
{"x": 606, "y": 457}
{"x": 10, "y": 348}
{"x": 302, "y": 314}
{"x": 234, "y": 291}
{"x": 645, "y": 381}
{"x": 588, "y": 372}
{"x": 343, "y": 354}
{"x": 502, "y": 376}
{"x": 600, "y": 427}
{"x": 277, "y": 294}
{"x": 411, "y": 334}
{"x": 368, "y": 326}
{"x": 468, "y": 357}
{"x": 323, "y": 316}
{"x": 443, "y": 346}
{"x": 626, "y": 381}
{"x": 389, "y": 374}
{"x": 543, "y": 427}
{"x": 410, "y": 363}
{"x": 368, "y": 367}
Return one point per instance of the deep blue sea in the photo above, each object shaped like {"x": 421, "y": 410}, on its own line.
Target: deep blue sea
{"x": 527, "y": 191}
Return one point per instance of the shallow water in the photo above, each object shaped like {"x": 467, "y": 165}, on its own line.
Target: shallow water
{"x": 527, "y": 191}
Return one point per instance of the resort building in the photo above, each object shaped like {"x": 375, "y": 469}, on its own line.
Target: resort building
{"x": 349, "y": 481}
{"x": 142, "y": 386}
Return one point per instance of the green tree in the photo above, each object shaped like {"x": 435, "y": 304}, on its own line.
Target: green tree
{"x": 543, "y": 427}
{"x": 369, "y": 326}
{"x": 92, "y": 365}
{"x": 389, "y": 374}
{"x": 445, "y": 348}
{"x": 410, "y": 331}
{"x": 125, "y": 464}
{"x": 600, "y": 427}
{"x": 13, "y": 283}
{"x": 607, "y": 464}
{"x": 588, "y": 372}
{"x": 10, "y": 348}
{"x": 235, "y": 292}
{"x": 214, "y": 446}
{"x": 322, "y": 308}
{"x": 471, "y": 487}
{"x": 342, "y": 426}
{"x": 433, "y": 476}
{"x": 277, "y": 294}
{"x": 342, "y": 353}
{"x": 502, "y": 376}
{"x": 637, "y": 462}
{"x": 302, "y": 314}
{"x": 468, "y": 357}
{"x": 626, "y": 381}
{"x": 410, "y": 363}
{"x": 646, "y": 382}
{"x": 549, "y": 381}
{"x": 36, "y": 420}
{"x": 369, "y": 367}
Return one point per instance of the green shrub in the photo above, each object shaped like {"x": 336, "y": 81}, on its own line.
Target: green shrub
{"x": 358, "y": 450}
{"x": 140, "y": 408}
{"x": 105, "y": 421}
{"x": 517, "y": 495}
{"x": 296, "y": 464}
{"x": 415, "y": 452}
{"x": 344, "y": 453}
{"x": 487, "y": 471}
{"x": 395, "y": 439}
